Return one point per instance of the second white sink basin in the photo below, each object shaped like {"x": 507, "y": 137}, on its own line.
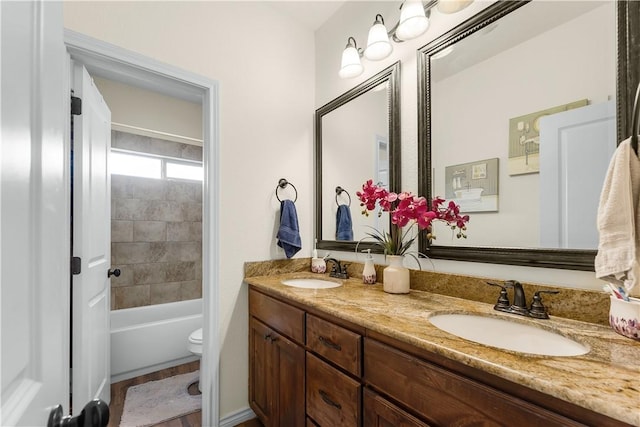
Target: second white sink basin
{"x": 508, "y": 335}
{"x": 311, "y": 283}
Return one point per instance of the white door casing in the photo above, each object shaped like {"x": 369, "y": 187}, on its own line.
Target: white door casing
{"x": 137, "y": 69}
{"x": 34, "y": 213}
{"x": 91, "y": 243}
{"x": 575, "y": 149}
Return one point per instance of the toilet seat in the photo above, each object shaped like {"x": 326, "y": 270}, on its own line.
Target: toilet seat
{"x": 195, "y": 342}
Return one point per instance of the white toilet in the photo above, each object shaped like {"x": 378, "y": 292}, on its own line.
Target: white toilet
{"x": 195, "y": 346}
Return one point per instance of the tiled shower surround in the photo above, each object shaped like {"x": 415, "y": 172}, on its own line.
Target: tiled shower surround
{"x": 156, "y": 230}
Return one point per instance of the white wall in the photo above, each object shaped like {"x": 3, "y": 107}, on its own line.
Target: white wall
{"x": 265, "y": 66}
{"x": 354, "y": 19}
{"x": 144, "y": 112}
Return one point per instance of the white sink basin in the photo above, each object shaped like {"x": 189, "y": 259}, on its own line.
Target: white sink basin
{"x": 508, "y": 335}
{"x": 311, "y": 283}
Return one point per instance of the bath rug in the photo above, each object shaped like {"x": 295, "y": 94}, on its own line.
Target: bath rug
{"x": 162, "y": 400}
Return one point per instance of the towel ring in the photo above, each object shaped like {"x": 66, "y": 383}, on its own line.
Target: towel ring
{"x": 339, "y": 191}
{"x": 634, "y": 121}
{"x": 282, "y": 184}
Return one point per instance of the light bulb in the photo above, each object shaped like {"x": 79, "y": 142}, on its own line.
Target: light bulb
{"x": 413, "y": 20}
{"x": 378, "y": 45}
{"x": 452, "y": 6}
{"x": 350, "y": 65}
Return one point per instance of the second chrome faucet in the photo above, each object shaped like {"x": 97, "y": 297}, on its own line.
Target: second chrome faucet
{"x": 519, "y": 306}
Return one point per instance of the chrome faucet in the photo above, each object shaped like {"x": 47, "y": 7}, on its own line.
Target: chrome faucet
{"x": 338, "y": 270}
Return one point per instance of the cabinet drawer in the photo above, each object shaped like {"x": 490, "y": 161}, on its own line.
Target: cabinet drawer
{"x": 335, "y": 343}
{"x": 378, "y": 412}
{"x": 445, "y": 398}
{"x": 333, "y": 399}
{"x": 278, "y": 315}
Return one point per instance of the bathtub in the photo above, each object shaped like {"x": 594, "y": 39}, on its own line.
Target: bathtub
{"x": 151, "y": 338}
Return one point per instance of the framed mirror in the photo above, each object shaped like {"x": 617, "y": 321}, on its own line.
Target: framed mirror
{"x": 507, "y": 103}
{"x": 357, "y": 137}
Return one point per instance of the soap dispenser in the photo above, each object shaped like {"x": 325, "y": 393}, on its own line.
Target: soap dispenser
{"x": 369, "y": 271}
{"x": 318, "y": 265}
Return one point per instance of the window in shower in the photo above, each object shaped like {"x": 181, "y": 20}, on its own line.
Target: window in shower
{"x": 123, "y": 162}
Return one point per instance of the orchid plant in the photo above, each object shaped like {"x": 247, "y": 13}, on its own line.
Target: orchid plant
{"x": 408, "y": 210}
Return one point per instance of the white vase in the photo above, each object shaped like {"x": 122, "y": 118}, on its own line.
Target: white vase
{"x": 395, "y": 277}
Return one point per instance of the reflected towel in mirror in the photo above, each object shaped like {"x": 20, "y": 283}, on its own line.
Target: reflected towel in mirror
{"x": 344, "y": 224}
{"x": 619, "y": 221}
{"x": 289, "y": 232}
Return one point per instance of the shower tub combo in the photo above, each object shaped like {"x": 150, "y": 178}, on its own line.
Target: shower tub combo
{"x": 154, "y": 337}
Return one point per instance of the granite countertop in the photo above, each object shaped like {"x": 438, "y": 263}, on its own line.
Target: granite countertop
{"x": 605, "y": 380}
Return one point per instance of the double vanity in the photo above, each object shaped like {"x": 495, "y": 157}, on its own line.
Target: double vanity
{"x": 341, "y": 353}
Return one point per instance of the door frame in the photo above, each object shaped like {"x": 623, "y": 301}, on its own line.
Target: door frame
{"x": 119, "y": 64}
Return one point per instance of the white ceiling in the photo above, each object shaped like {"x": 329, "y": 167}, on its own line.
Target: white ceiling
{"x": 309, "y": 13}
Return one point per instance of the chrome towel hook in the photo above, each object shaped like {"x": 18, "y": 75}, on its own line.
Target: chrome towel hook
{"x": 282, "y": 183}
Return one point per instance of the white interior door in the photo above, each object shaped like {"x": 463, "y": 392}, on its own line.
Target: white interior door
{"x": 34, "y": 213}
{"x": 91, "y": 243}
{"x": 575, "y": 149}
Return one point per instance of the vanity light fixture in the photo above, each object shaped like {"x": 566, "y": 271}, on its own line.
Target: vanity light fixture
{"x": 378, "y": 44}
{"x": 414, "y": 21}
{"x": 351, "y": 65}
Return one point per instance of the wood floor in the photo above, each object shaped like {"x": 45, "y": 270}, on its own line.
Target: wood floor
{"x": 119, "y": 392}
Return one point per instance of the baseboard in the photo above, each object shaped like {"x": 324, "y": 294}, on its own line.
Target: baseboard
{"x": 149, "y": 369}
{"x": 237, "y": 417}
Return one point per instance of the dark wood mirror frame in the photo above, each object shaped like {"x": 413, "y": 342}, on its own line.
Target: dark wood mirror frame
{"x": 628, "y": 76}
{"x": 390, "y": 74}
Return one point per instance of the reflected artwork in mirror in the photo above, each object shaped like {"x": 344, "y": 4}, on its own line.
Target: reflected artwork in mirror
{"x": 543, "y": 88}
{"x": 357, "y": 138}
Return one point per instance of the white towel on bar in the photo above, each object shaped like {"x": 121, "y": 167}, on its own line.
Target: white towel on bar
{"x": 619, "y": 221}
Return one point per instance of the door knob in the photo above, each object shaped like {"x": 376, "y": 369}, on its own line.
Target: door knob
{"x": 94, "y": 414}
{"x": 113, "y": 272}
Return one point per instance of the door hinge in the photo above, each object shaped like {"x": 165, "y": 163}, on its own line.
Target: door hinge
{"x": 76, "y": 263}
{"x": 76, "y": 105}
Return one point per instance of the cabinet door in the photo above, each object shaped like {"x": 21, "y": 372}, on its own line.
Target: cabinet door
{"x": 288, "y": 365}
{"x": 380, "y": 413}
{"x": 276, "y": 377}
{"x": 261, "y": 372}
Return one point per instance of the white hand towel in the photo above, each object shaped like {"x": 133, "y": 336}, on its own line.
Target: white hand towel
{"x": 619, "y": 221}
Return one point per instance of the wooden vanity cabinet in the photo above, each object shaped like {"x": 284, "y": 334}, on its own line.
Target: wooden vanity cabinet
{"x": 311, "y": 369}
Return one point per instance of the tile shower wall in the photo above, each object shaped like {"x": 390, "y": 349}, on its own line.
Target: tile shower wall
{"x": 156, "y": 230}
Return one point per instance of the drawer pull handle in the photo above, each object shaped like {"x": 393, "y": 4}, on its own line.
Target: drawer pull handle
{"x": 329, "y": 343}
{"x": 328, "y": 400}
{"x": 269, "y": 337}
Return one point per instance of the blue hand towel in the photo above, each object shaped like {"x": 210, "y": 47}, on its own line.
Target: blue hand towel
{"x": 289, "y": 233}
{"x": 344, "y": 226}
